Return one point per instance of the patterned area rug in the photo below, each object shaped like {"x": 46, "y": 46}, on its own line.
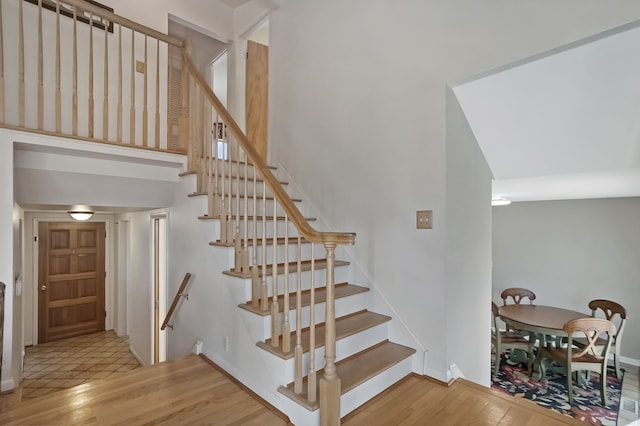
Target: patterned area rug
{"x": 551, "y": 392}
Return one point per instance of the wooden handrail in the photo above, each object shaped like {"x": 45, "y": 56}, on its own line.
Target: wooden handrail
{"x": 278, "y": 191}
{"x": 185, "y": 280}
{"x": 117, "y": 19}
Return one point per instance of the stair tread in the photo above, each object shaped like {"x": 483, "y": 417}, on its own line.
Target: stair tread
{"x": 341, "y": 290}
{"x": 346, "y": 326}
{"x": 269, "y": 242}
{"x": 356, "y": 369}
{"x": 305, "y": 265}
{"x": 233, "y": 217}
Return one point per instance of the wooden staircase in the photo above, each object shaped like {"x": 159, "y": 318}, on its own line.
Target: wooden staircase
{"x": 367, "y": 362}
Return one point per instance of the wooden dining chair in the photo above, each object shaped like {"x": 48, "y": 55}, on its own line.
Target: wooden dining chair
{"x": 615, "y": 313}
{"x": 503, "y": 340}
{"x": 517, "y": 294}
{"x": 590, "y": 357}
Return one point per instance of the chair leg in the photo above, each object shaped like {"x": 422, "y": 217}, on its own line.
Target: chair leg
{"x": 616, "y": 363}
{"x": 603, "y": 383}
{"x": 570, "y": 386}
{"x": 496, "y": 367}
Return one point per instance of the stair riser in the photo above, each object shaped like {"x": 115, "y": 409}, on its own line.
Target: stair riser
{"x": 293, "y": 232}
{"x": 341, "y": 274}
{"x": 258, "y": 212}
{"x": 344, "y": 347}
{"x": 344, "y": 306}
{"x": 363, "y": 393}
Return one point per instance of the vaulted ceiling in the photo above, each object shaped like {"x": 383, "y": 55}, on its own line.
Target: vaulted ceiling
{"x": 564, "y": 124}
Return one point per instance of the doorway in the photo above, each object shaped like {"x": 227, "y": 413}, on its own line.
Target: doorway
{"x": 71, "y": 276}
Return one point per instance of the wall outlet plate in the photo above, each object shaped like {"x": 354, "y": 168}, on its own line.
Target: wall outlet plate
{"x": 424, "y": 219}
{"x": 141, "y": 67}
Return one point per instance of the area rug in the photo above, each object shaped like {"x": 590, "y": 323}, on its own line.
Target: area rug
{"x": 551, "y": 392}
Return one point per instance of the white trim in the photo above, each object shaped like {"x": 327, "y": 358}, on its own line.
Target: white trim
{"x": 630, "y": 361}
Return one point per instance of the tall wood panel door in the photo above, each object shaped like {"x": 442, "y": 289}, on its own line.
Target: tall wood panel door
{"x": 257, "y": 97}
{"x": 71, "y": 272}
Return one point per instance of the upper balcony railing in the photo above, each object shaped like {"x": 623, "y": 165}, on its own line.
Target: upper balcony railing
{"x": 74, "y": 69}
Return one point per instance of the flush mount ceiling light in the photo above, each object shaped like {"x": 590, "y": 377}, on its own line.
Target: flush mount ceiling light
{"x": 500, "y": 201}
{"x": 80, "y": 214}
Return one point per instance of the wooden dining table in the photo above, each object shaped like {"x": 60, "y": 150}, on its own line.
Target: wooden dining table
{"x": 542, "y": 321}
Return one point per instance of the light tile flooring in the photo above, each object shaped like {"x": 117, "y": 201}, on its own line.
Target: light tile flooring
{"x": 62, "y": 364}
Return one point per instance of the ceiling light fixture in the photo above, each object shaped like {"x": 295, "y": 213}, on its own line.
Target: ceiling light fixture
{"x": 500, "y": 201}
{"x": 80, "y": 214}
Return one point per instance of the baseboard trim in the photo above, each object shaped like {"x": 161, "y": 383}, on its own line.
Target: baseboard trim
{"x": 254, "y": 395}
{"x": 438, "y": 381}
{"x": 136, "y": 356}
{"x": 630, "y": 361}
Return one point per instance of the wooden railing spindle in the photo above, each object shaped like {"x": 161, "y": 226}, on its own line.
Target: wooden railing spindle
{"x": 264, "y": 301}
{"x": 58, "y": 74}
{"x": 40, "y": 70}
{"x": 145, "y": 112}
{"x": 297, "y": 385}
{"x": 91, "y": 106}
{"x": 286, "y": 326}
{"x": 311, "y": 377}
{"x": 132, "y": 110}
{"x": 119, "y": 84}
{"x": 274, "y": 272}
{"x": 21, "y": 85}
{"x": 157, "y": 129}
{"x": 105, "y": 94}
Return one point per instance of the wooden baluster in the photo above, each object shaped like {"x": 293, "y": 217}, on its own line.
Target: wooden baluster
{"x": 224, "y": 201}
{"x": 21, "y": 98}
{"x": 297, "y": 385}
{"x": 105, "y": 93}
{"x": 274, "y": 272}
{"x": 145, "y": 112}
{"x": 311, "y": 377}
{"x": 255, "y": 278}
{"x": 91, "y": 107}
{"x": 132, "y": 110}
{"x": 230, "y": 227}
{"x": 237, "y": 237}
{"x": 40, "y": 71}
{"x": 286, "y": 326}
{"x": 183, "y": 121}
{"x": 330, "y": 382}
{"x": 245, "y": 256}
{"x": 157, "y": 134}
{"x": 58, "y": 74}
{"x": 119, "y": 83}
{"x": 215, "y": 207}
{"x": 265, "y": 296}
{"x": 1, "y": 68}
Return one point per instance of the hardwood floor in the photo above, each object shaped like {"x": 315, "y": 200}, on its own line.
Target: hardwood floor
{"x": 193, "y": 391}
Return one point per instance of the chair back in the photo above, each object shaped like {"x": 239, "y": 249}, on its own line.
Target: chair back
{"x": 591, "y": 329}
{"x": 517, "y": 294}
{"x": 612, "y": 311}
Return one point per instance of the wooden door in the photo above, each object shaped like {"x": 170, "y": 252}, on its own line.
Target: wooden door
{"x": 257, "y": 87}
{"x": 70, "y": 279}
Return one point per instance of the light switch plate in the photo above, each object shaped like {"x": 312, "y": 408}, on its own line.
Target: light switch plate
{"x": 424, "y": 219}
{"x": 141, "y": 67}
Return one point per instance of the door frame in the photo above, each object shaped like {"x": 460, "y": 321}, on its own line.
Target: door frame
{"x": 108, "y": 262}
{"x": 159, "y": 341}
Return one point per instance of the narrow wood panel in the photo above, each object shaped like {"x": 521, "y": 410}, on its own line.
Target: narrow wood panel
{"x": 257, "y": 92}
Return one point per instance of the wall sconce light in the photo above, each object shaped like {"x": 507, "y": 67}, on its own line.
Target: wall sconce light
{"x": 80, "y": 214}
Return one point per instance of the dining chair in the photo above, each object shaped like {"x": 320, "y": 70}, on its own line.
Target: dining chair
{"x": 615, "y": 313}
{"x": 517, "y": 294}
{"x": 590, "y": 357}
{"x": 503, "y": 340}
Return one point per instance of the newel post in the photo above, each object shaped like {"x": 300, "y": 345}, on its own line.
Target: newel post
{"x": 183, "y": 120}
{"x": 330, "y": 382}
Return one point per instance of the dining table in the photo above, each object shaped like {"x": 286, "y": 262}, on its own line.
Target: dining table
{"x": 542, "y": 321}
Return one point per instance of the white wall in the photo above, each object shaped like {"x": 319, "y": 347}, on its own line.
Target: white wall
{"x": 467, "y": 250}
{"x": 358, "y": 117}
{"x": 571, "y": 252}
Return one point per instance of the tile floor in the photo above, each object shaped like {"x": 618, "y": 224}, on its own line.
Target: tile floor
{"x": 62, "y": 364}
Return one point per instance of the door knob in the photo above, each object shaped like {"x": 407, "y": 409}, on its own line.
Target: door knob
{"x": 43, "y": 288}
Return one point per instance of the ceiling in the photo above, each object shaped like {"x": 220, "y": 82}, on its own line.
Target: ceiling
{"x": 564, "y": 124}
{"x": 234, "y": 3}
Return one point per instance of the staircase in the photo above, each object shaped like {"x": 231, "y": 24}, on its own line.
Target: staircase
{"x": 367, "y": 361}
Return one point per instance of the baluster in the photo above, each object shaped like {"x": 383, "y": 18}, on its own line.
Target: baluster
{"x": 237, "y": 237}
{"x": 119, "y": 83}
{"x": 265, "y": 297}
{"x": 145, "y": 112}
{"x": 286, "y": 327}
{"x": 21, "y": 104}
{"x": 224, "y": 201}
{"x": 255, "y": 278}
{"x": 157, "y": 134}
{"x": 1, "y": 68}
{"x": 274, "y": 278}
{"x": 330, "y": 382}
{"x": 297, "y": 385}
{"x": 40, "y": 71}
{"x": 311, "y": 377}
{"x": 183, "y": 121}
{"x": 91, "y": 110}
{"x": 58, "y": 75}
{"x": 215, "y": 207}
{"x": 228, "y": 172}
{"x": 105, "y": 94}
{"x": 245, "y": 257}
{"x": 132, "y": 108}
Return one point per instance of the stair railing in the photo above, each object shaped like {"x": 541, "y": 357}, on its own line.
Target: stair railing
{"x": 180, "y": 293}
{"x": 240, "y": 197}
{"x": 77, "y": 49}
